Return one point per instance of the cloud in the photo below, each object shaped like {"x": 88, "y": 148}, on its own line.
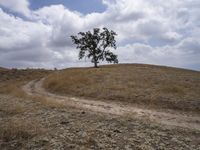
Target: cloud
{"x": 19, "y": 34}
{"x": 19, "y": 6}
{"x": 151, "y": 31}
{"x": 189, "y": 46}
{"x": 36, "y": 43}
{"x": 178, "y": 55}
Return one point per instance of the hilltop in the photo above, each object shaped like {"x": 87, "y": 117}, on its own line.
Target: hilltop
{"x": 146, "y": 85}
{"x": 3, "y": 69}
{"x": 11, "y": 80}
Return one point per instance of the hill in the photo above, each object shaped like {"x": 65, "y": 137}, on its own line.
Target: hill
{"x": 11, "y": 80}
{"x": 146, "y": 85}
{"x": 33, "y": 118}
{"x": 2, "y": 69}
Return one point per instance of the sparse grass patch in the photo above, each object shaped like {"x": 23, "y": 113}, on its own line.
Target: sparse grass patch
{"x": 173, "y": 89}
{"x": 15, "y": 109}
{"x": 50, "y": 103}
{"x": 11, "y": 80}
{"x": 13, "y": 89}
{"x": 12, "y": 107}
{"x": 20, "y": 129}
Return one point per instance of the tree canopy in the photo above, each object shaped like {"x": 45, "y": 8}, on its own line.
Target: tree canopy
{"x": 96, "y": 45}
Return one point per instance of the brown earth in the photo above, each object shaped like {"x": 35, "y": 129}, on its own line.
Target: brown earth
{"x": 38, "y": 119}
{"x": 33, "y": 123}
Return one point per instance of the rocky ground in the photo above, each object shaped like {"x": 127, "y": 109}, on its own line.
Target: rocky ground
{"x": 33, "y": 123}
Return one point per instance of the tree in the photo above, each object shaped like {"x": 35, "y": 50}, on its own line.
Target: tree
{"x": 96, "y": 45}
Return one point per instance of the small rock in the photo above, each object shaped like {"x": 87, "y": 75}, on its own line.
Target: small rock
{"x": 82, "y": 112}
{"x": 117, "y": 131}
{"x": 64, "y": 122}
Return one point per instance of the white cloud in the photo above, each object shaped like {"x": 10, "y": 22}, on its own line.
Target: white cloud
{"x": 189, "y": 46}
{"x": 184, "y": 54}
{"x": 19, "y": 6}
{"x": 19, "y": 34}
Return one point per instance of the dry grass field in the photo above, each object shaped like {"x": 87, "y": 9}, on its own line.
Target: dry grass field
{"x": 11, "y": 80}
{"x": 36, "y": 122}
{"x": 3, "y": 69}
{"x": 148, "y": 85}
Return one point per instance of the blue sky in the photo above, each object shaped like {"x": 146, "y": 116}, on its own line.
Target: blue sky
{"x": 83, "y": 6}
{"x": 36, "y": 33}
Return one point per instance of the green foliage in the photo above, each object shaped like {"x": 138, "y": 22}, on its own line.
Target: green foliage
{"x": 96, "y": 45}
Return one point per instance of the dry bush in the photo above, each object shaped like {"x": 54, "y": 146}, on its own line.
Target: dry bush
{"x": 13, "y": 89}
{"x": 50, "y": 103}
{"x": 20, "y": 129}
{"x": 16, "y": 108}
{"x": 157, "y": 86}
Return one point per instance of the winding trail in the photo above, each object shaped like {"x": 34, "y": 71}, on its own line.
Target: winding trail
{"x": 176, "y": 119}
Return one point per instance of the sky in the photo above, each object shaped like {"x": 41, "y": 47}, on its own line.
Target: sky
{"x": 36, "y": 33}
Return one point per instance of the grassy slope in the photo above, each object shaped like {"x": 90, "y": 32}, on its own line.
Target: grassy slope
{"x": 2, "y": 69}
{"x": 11, "y": 80}
{"x": 34, "y": 123}
{"x": 153, "y": 86}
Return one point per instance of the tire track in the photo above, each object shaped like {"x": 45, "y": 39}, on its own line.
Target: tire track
{"x": 176, "y": 119}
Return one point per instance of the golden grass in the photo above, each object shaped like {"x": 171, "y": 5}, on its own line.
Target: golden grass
{"x": 47, "y": 102}
{"x": 12, "y": 80}
{"x": 173, "y": 89}
{"x": 13, "y": 89}
{"x": 155, "y": 86}
{"x": 17, "y": 108}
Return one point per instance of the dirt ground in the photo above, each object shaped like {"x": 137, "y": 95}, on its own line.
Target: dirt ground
{"x": 33, "y": 118}
{"x": 170, "y": 117}
{"x": 29, "y": 124}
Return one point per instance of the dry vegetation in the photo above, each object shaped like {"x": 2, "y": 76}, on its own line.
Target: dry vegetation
{"x": 41, "y": 126}
{"x": 21, "y": 129}
{"x": 11, "y": 80}
{"x": 3, "y": 69}
{"x": 35, "y": 122}
{"x": 152, "y": 86}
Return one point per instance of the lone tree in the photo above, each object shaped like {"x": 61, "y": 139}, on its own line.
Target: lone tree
{"x": 96, "y": 45}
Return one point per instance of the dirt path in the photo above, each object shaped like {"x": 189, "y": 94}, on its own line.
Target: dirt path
{"x": 167, "y": 118}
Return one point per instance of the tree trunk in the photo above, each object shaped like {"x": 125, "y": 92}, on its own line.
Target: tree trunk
{"x": 95, "y": 64}
{"x": 95, "y": 59}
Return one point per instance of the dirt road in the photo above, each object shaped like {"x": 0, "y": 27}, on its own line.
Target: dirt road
{"x": 167, "y": 118}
